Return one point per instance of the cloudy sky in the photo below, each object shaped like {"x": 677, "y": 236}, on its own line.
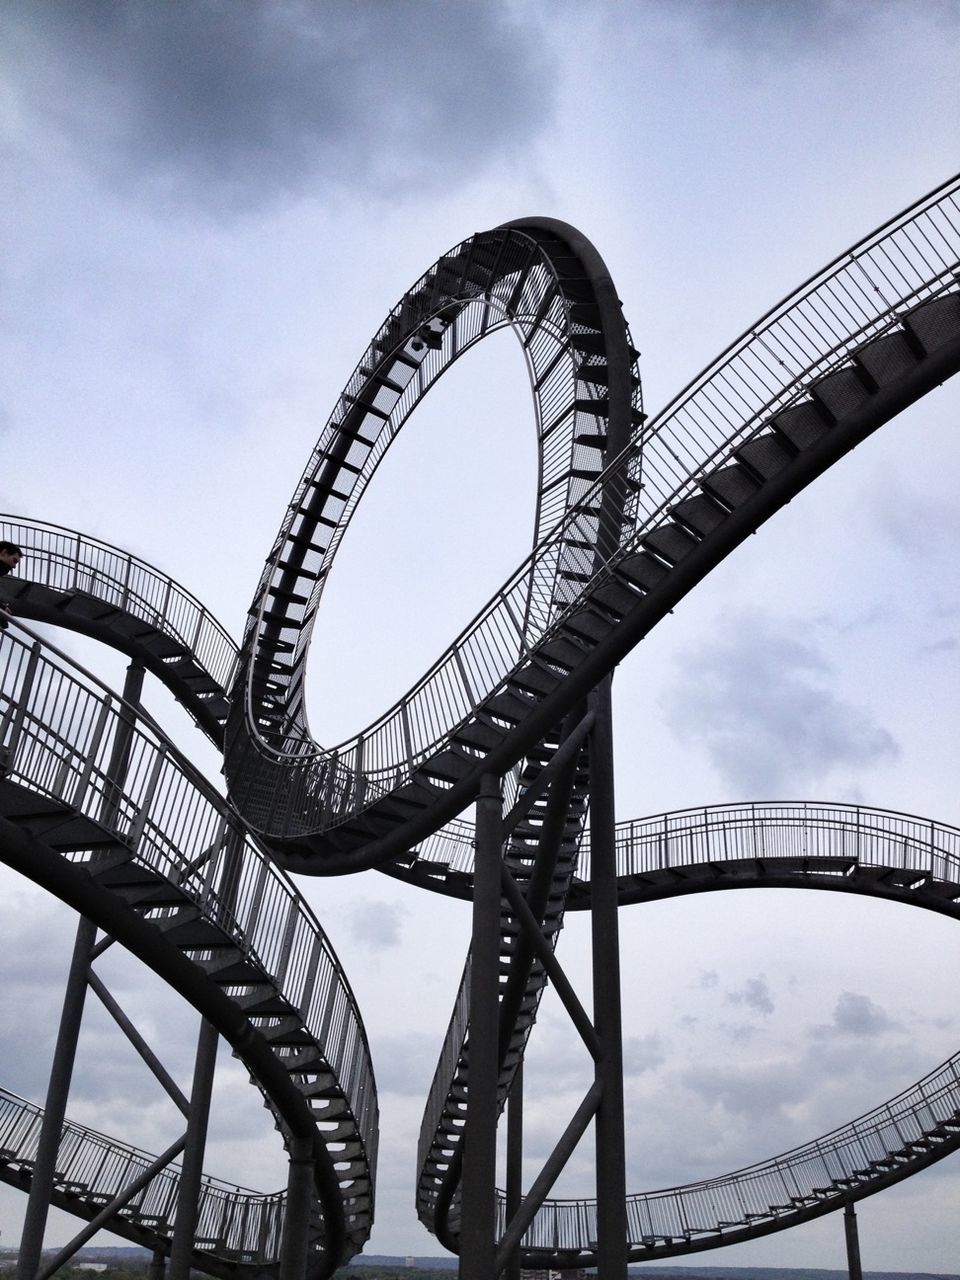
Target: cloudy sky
{"x": 208, "y": 208}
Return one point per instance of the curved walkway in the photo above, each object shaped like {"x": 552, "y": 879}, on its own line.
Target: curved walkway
{"x": 872, "y": 333}
{"x": 238, "y": 1231}
{"x": 71, "y": 580}
{"x": 804, "y": 386}
{"x": 832, "y": 847}
{"x": 163, "y": 865}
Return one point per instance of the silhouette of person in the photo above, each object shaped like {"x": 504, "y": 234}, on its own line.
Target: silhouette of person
{"x": 10, "y": 557}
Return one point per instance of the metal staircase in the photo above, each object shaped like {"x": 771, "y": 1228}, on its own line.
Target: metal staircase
{"x": 834, "y": 847}
{"x": 164, "y": 866}
{"x": 239, "y": 1230}
{"x": 868, "y": 336}
{"x": 71, "y": 580}
{"x": 909, "y": 1132}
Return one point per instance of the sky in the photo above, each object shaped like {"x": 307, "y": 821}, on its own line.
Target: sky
{"x": 208, "y": 209}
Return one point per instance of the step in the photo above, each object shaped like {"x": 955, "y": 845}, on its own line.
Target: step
{"x": 732, "y": 484}
{"x": 671, "y": 541}
{"x": 767, "y": 454}
{"x": 887, "y": 357}
{"x": 936, "y": 321}
{"x": 803, "y": 423}
{"x": 841, "y": 392}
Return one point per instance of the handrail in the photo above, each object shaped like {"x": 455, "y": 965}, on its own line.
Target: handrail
{"x": 725, "y": 836}
{"x": 420, "y": 338}
{"x": 911, "y": 258}
{"x": 67, "y": 560}
{"x": 885, "y": 1143}
{"x": 768, "y": 830}
{"x": 58, "y": 724}
{"x": 245, "y": 1223}
{"x": 689, "y": 837}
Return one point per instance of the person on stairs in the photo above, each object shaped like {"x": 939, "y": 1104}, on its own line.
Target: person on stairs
{"x": 10, "y": 557}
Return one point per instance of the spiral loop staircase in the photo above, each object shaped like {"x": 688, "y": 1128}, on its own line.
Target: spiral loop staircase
{"x": 631, "y": 514}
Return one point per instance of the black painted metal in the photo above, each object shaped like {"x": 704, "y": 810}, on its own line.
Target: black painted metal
{"x": 162, "y": 865}
{"x": 630, "y": 517}
{"x": 852, "y": 1237}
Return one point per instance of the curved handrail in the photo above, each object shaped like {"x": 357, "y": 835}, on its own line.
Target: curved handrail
{"x": 58, "y": 727}
{"x": 884, "y": 1145}
{"x": 585, "y": 396}
{"x": 654, "y": 858}
{"x": 838, "y": 834}
{"x": 68, "y": 561}
{"x": 695, "y": 837}
{"x": 913, "y": 257}
{"x": 240, "y": 1228}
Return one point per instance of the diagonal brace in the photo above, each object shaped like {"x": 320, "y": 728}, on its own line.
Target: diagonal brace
{"x": 548, "y": 1175}
{"x": 109, "y": 1210}
{"x": 547, "y": 957}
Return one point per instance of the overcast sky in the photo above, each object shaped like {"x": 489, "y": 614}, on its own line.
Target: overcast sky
{"x": 208, "y": 209}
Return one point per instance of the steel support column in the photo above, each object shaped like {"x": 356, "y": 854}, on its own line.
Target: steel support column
{"x": 610, "y": 1153}
{"x": 514, "y": 1188}
{"x": 71, "y": 1017}
{"x": 295, "y": 1244}
{"x": 853, "y": 1242}
{"x": 478, "y": 1193}
{"x": 185, "y": 1223}
{"x": 55, "y": 1107}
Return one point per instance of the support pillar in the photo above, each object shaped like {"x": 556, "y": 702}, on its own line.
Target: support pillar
{"x": 514, "y": 1186}
{"x": 478, "y": 1194}
{"x": 610, "y": 1149}
{"x": 188, "y": 1198}
{"x": 55, "y": 1106}
{"x": 294, "y": 1250}
{"x": 853, "y": 1242}
{"x": 71, "y": 1017}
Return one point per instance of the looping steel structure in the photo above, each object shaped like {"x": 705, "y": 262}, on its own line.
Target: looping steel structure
{"x": 514, "y": 719}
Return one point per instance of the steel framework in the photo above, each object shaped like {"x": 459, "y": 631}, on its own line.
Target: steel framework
{"x": 98, "y": 806}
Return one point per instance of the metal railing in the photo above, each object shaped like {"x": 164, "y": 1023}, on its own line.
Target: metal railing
{"x": 563, "y": 390}
{"x": 829, "y": 833}
{"x": 883, "y": 1144}
{"x": 912, "y": 258}
{"x": 231, "y": 1220}
{"x": 58, "y": 726}
{"x": 68, "y": 561}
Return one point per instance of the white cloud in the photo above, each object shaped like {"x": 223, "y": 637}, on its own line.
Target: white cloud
{"x": 755, "y": 700}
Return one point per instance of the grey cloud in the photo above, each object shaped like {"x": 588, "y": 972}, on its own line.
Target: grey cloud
{"x": 376, "y": 925}
{"x": 754, "y": 700}
{"x": 766, "y": 1087}
{"x": 755, "y": 994}
{"x": 230, "y": 107}
{"x": 405, "y": 1064}
{"x": 642, "y": 1053}
{"x": 768, "y": 26}
{"x": 803, "y": 29}
{"x": 856, "y": 1015}
{"x": 949, "y": 644}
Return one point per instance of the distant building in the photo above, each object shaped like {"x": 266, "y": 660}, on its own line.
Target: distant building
{"x": 548, "y": 1273}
